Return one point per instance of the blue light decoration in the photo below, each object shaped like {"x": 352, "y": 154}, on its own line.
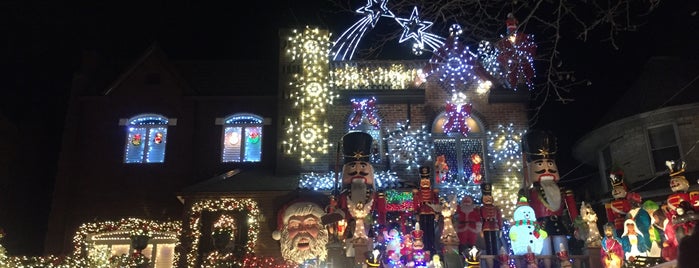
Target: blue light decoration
{"x": 414, "y": 28}
{"x": 318, "y": 182}
{"x": 386, "y": 180}
{"x": 504, "y": 147}
{"x": 146, "y": 139}
{"x": 457, "y": 111}
{"x": 453, "y": 62}
{"x": 344, "y": 46}
{"x": 488, "y": 58}
{"x": 364, "y": 110}
{"x": 516, "y": 56}
{"x": 409, "y": 147}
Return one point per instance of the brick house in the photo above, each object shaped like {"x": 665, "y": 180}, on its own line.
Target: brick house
{"x": 187, "y": 141}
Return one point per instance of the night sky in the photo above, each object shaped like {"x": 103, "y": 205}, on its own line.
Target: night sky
{"x": 44, "y": 41}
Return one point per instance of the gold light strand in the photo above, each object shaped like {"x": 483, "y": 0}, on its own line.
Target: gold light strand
{"x": 395, "y": 76}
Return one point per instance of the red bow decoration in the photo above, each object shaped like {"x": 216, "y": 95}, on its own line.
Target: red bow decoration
{"x": 364, "y": 108}
{"x": 516, "y": 58}
{"x": 456, "y": 118}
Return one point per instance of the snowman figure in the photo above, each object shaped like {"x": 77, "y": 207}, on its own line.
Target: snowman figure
{"x": 525, "y": 231}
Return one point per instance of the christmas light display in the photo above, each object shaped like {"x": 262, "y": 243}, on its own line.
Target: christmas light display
{"x": 505, "y": 194}
{"x": 307, "y": 133}
{"x": 318, "y": 182}
{"x": 409, "y": 147}
{"x": 375, "y": 9}
{"x": 457, "y": 111}
{"x": 516, "y": 57}
{"x": 346, "y": 44}
{"x": 364, "y": 110}
{"x": 453, "y": 62}
{"x": 393, "y": 76}
{"x": 458, "y": 183}
{"x": 247, "y": 206}
{"x": 385, "y": 179}
{"x": 504, "y": 148}
{"x": 414, "y": 28}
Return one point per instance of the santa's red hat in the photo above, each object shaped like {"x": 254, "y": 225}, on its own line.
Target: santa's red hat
{"x": 296, "y": 208}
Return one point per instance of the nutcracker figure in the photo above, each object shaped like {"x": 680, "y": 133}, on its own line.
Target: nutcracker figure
{"x": 470, "y": 223}
{"x": 357, "y": 172}
{"x": 549, "y": 201}
{"x": 619, "y": 207}
{"x": 423, "y": 200}
{"x": 492, "y": 219}
{"x": 678, "y": 184}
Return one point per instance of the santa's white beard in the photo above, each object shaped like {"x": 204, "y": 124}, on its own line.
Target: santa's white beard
{"x": 553, "y": 194}
{"x": 317, "y": 246}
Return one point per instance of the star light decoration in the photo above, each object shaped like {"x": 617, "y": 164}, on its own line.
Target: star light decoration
{"x": 516, "y": 56}
{"x": 414, "y": 28}
{"x": 344, "y": 47}
{"x": 504, "y": 144}
{"x": 409, "y": 147}
{"x": 453, "y": 62}
{"x": 307, "y": 133}
{"x": 457, "y": 111}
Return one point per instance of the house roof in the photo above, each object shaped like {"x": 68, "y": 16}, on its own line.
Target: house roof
{"x": 244, "y": 180}
{"x": 663, "y": 82}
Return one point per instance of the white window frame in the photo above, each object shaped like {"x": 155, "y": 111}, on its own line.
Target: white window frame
{"x": 229, "y": 121}
{"x": 133, "y": 122}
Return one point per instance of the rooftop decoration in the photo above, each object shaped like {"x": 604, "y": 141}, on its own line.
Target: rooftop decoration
{"x": 415, "y": 28}
{"x": 453, "y": 62}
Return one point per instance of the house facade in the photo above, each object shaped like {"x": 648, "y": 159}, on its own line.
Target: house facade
{"x": 184, "y": 145}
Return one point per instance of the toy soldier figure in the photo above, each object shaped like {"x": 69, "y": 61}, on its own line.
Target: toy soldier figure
{"x": 357, "y": 172}
{"x": 492, "y": 219}
{"x": 423, "y": 199}
{"x": 619, "y": 207}
{"x": 546, "y": 198}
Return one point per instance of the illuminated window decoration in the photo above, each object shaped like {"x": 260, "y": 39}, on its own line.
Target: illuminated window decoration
{"x": 409, "y": 147}
{"x": 458, "y": 152}
{"x": 414, "y": 28}
{"x": 364, "y": 110}
{"x": 370, "y": 75}
{"x": 318, "y": 182}
{"x": 453, "y": 62}
{"x": 242, "y": 138}
{"x": 92, "y": 237}
{"x": 307, "y": 131}
{"x": 246, "y": 205}
{"x": 345, "y": 45}
{"x": 516, "y": 56}
{"x": 457, "y": 111}
{"x": 146, "y": 139}
{"x": 504, "y": 148}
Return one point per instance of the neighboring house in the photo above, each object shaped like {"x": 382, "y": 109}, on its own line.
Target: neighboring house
{"x": 656, "y": 120}
{"x": 188, "y": 141}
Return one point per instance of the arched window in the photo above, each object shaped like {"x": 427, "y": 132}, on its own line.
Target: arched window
{"x": 242, "y": 138}
{"x": 146, "y": 139}
{"x": 459, "y": 150}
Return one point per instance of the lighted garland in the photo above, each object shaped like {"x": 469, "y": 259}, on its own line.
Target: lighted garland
{"x": 385, "y": 179}
{"x": 505, "y": 195}
{"x": 307, "y": 133}
{"x": 395, "y": 76}
{"x": 504, "y": 147}
{"x": 318, "y": 182}
{"x": 224, "y": 204}
{"x": 409, "y": 147}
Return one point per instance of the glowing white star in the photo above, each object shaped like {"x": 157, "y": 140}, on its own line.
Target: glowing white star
{"x": 413, "y": 27}
{"x": 376, "y": 9}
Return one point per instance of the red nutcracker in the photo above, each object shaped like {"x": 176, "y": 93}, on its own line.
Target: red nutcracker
{"x": 357, "y": 172}
{"x": 470, "y": 223}
{"x": 679, "y": 186}
{"x": 550, "y": 202}
{"x": 422, "y": 199}
{"x": 492, "y": 219}
{"x": 618, "y": 208}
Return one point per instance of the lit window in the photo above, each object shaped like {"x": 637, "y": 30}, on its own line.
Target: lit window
{"x": 146, "y": 139}
{"x": 663, "y": 146}
{"x": 459, "y": 149}
{"x": 242, "y": 138}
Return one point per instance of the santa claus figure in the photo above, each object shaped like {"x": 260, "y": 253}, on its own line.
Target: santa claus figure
{"x": 619, "y": 207}
{"x": 301, "y": 233}
{"x": 550, "y": 202}
{"x": 469, "y": 223}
